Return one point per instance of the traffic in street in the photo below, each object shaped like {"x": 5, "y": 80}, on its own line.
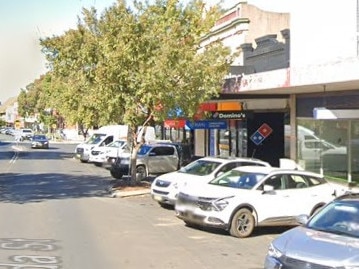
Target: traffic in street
{"x": 58, "y": 213}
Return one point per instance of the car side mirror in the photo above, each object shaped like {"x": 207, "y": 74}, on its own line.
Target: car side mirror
{"x": 302, "y": 219}
{"x": 268, "y": 188}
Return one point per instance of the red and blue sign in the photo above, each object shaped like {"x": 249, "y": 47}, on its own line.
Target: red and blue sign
{"x": 261, "y": 134}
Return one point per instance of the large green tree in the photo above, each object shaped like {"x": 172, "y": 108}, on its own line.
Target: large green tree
{"x": 136, "y": 66}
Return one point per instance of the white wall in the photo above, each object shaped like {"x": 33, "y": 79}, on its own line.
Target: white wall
{"x": 322, "y": 31}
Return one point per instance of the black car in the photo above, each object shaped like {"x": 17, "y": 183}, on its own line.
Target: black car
{"x": 39, "y": 141}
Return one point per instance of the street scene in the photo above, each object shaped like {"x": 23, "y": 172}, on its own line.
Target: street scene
{"x": 179, "y": 134}
{"x": 60, "y": 215}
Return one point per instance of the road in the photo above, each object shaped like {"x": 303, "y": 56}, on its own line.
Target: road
{"x": 57, "y": 213}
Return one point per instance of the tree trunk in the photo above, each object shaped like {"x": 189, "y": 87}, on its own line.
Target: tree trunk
{"x": 132, "y": 141}
{"x": 134, "y": 179}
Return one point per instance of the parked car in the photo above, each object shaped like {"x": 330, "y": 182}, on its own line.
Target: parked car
{"x": 184, "y": 152}
{"x": 103, "y": 155}
{"x": 151, "y": 159}
{"x": 8, "y": 131}
{"x": 329, "y": 239}
{"x": 39, "y": 141}
{"x": 23, "y": 134}
{"x": 165, "y": 188}
{"x": 253, "y": 196}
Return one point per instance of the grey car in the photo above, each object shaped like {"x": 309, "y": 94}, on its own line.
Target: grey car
{"x": 39, "y": 141}
{"x": 151, "y": 159}
{"x": 328, "y": 240}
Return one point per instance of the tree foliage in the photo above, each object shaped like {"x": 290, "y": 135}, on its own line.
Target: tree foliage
{"x": 132, "y": 66}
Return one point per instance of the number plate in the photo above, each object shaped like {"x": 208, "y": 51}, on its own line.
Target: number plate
{"x": 157, "y": 198}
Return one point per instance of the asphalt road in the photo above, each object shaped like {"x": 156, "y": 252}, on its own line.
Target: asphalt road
{"x": 57, "y": 213}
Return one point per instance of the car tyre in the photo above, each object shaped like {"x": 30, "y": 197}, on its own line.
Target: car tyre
{"x": 141, "y": 173}
{"x": 167, "y": 206}
{"x": 242, "y": 224}
{"x": 116, "y": 173}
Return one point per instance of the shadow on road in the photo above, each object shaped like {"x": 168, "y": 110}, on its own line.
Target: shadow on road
{"x": 258, "y": 231}
{"x": 29, "y": 188}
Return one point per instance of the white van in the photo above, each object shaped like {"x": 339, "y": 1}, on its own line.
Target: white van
{"x": 23, "y": 134}
{"x": 105, "y": 135}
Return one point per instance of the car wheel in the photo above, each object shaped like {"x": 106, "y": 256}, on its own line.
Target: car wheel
{"x": 167, "y": 206}
{"x": 116, "y": 174}
{"x": 141, "y": 173}
{"x": 242, "y": 224}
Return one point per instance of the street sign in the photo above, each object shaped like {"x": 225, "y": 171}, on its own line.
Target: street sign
{"x": 207, "y": 124}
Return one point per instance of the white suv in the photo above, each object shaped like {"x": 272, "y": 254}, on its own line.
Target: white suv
{"x": 247, "y": 197}
{"x": 165, "y": 188}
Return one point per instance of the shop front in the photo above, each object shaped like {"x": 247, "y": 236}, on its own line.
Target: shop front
{"x": 334, "y": 120}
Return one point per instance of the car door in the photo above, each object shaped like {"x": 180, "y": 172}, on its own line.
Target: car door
{"x": 162, "y": 159}
{"x": 275, "y": 204}
{"x": 308, "y": 193}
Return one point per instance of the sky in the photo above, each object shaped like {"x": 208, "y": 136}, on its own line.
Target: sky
{"x": 24, "y": 22}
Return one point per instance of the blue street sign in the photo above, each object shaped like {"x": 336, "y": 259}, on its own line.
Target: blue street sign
{"x": 207, "y": 124}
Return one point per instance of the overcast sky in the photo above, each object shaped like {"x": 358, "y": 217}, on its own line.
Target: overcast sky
{"x": 23, "y": 22}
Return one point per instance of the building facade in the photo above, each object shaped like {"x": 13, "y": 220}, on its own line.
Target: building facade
{"x": 296, "y": 87}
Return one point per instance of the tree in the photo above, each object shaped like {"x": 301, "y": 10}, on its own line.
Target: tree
{"x": 138, "y": 66}
{"x": 34, "y": 100}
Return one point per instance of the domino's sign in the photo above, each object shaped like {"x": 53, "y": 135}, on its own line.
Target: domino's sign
{"x": 261, "y": 134}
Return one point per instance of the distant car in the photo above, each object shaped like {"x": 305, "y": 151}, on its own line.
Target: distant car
{"x": 7, "y": 131}
{"x": 23, "y": 134}
{"x": 329, "y": 239}
{"x": 165, "y": 188}
{"x": 40, "y": 141}
{"x": 253, "y": 196}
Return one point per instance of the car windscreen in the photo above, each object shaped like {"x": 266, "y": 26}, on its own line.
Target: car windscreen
{"x": 116, "y": 144}
{"x": 200, "y": 167}
{"x": 39, "y": 137}
{"x": 143, "y": 150}
{"x": 95, "y": 138}
{"x": 339, "y": 217}
{"x": 238, "y": 179}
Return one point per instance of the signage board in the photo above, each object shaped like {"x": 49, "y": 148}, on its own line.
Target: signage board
{"x": 230, "y": 115}
{"x": 207, "y": 124}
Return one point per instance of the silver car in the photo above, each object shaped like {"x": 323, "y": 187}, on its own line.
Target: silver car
{"x": 328, "y": 240}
